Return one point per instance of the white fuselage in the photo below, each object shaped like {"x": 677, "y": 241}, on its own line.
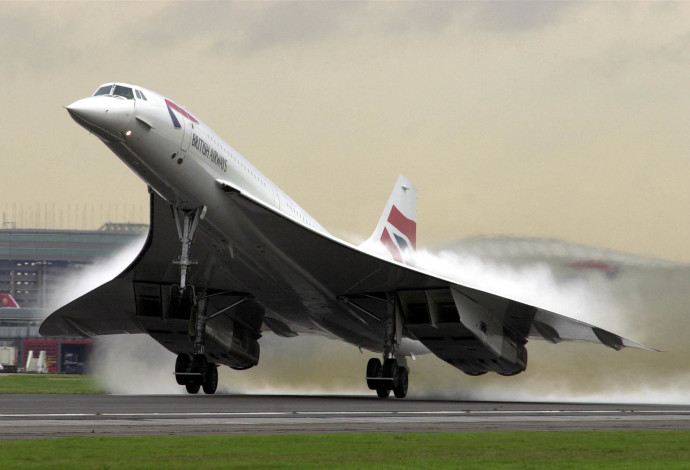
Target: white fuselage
{"x": 176, "y": 154}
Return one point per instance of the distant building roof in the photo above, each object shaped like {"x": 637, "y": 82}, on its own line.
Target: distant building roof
{"x": 115, "y": 227}
{"x": 80, "y": 246}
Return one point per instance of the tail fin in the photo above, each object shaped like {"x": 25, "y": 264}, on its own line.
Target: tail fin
{"x": 7, "y": 301}
{"x": 397, "y": 227}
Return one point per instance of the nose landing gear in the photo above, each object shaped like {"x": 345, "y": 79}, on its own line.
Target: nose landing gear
{"x": 194, "y": 372}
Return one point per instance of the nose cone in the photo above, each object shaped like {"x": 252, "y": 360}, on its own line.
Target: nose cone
{"x": 105, "y": 116}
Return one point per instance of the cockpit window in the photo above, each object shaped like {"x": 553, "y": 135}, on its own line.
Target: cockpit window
{"x": 123, "y": 91}
{"x": 115, "y": 90}
{"x": 143, "y": 95}
{"x": 104, "y": 90}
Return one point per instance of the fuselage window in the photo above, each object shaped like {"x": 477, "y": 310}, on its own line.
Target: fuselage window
{"x": 104, "y": 90}
{"x": 123, "y": 91}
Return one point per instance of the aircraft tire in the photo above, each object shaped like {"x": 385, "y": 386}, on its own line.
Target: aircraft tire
{"x": 210, "y": 384}
{"x": 383, "y": 392}
{"x": 373, "y": 370}
{"x": 181, "y": 365}
{"x": 193, "y": 388}
{"x": 400, "y": 389}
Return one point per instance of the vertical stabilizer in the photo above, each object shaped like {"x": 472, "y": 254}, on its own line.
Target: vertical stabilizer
{"x": 397, "y": 228}
{"x": 7, "y": 301}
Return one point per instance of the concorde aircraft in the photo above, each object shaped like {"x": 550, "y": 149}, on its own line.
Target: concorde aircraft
{"x": 229, "y": 256}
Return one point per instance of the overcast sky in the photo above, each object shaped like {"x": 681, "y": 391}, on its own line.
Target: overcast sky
{"x": 532, "y": 119}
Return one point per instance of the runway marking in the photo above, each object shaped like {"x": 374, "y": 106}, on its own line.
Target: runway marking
{"x": 345, "y": 413}
{"x": 301, "y": 422}
{"x": 53, "y": 420}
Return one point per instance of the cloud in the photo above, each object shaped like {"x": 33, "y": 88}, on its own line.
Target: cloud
{"x": 510, "y": 17}
{"x": 242, "y": 27}
{"x": 25, "y": 40}
{"x": 245, "y": 28}
{"x": 299, "y": 22}
{"x": 41, "y": 37}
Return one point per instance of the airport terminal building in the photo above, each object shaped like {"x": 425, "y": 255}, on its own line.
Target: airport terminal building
{"x": 37, "y": 267}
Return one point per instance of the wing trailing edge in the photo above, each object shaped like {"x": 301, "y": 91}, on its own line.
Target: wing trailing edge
{"x": 556, "y": 328}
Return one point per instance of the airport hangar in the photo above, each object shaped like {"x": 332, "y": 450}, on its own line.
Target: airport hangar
{"x": 36, "y": 268}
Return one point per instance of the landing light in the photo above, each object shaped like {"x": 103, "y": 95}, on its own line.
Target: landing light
{"x": 126, "y": 134}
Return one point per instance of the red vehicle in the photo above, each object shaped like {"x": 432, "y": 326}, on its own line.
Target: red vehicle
{"x": 66, "y": 357}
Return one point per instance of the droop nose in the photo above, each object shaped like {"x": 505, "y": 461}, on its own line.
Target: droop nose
{"x": 105, "y": 116}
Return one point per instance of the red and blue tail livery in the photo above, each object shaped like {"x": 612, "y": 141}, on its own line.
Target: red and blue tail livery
{"x": 397, "y": 228}
{"x": 399, "y": 235}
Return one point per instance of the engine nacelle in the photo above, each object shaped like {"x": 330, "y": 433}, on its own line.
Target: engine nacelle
{"x": 231, "y": 343}
{"x": 506, "y": 357}
{"x": 515, "y": 361}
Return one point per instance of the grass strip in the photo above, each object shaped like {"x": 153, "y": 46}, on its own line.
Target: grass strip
{"x": 528, "y": 450}
{"x": 44, "y": 383}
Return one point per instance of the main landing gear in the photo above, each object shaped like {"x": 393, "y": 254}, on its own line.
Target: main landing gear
{"x": 391, "y": 375}
{"x": 193, "y": 371}
{"x": 387, "y": 377}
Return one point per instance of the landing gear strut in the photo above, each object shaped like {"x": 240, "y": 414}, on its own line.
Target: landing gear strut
{"x": 186, "y": 222}
{"x": 194, "y": 372}
{"x": 390, "y": 375}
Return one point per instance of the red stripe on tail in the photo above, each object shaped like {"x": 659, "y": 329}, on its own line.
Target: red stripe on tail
{"x": 407, "y": 227}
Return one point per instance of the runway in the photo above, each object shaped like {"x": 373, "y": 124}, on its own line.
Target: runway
{"x": 54, "y": 416}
